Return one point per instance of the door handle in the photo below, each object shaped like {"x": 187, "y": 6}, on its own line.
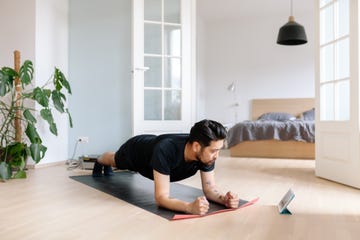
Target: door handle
{"x": 144, "y": 69}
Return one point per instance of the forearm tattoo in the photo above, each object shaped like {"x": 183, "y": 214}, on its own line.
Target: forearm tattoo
{"x": 214, "y": 189}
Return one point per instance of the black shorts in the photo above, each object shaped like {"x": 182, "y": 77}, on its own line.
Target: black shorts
{"x": 122, "y": 157}
{"x": 135, "y": 155}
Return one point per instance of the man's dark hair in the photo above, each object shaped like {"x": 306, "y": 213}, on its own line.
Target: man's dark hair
{"x": 206, "y": 131}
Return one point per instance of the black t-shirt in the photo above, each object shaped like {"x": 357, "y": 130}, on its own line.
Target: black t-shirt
{"x": 163, "y": 153}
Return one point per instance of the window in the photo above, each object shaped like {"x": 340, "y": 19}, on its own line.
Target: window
{"x": 162, "y": 54}
{"x": 335, "y": 76}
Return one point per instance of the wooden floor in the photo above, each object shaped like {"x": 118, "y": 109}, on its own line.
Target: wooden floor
{"x": 49, "y": 205}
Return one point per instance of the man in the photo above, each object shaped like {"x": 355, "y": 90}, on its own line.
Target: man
{"x": 173, "y": 157}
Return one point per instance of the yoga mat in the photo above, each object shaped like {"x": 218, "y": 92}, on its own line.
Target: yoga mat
{"x": 139, "y": 191}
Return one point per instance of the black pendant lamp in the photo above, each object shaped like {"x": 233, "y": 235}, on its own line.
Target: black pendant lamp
{"x": 292, "y": 33}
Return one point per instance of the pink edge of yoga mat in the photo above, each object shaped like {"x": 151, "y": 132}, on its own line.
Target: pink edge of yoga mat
{"x": 188, "y": 216}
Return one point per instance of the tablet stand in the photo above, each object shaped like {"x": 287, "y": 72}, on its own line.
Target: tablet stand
{"x": 282, "y": 206}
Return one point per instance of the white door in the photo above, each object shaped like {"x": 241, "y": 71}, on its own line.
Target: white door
{"x": 163, "y": 66}
{"x": 337, "y": 91}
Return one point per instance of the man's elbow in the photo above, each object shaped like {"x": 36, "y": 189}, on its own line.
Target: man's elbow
{"x": 159, "y": 200}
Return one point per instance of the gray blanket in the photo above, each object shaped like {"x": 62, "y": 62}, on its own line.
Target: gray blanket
{"x": 297, "y": 130}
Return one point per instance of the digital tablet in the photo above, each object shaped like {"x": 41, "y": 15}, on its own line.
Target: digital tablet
{"x": 285, "y": 202}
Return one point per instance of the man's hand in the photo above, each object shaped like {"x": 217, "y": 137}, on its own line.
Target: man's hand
{"x": 231, "y": 200}
{"x": 200, "y": 206}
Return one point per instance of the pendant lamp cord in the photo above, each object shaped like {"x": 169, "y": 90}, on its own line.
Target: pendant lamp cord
{"x": 291, "y": 8}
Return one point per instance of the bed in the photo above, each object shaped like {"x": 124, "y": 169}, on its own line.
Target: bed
{"x": 284, "y": 142}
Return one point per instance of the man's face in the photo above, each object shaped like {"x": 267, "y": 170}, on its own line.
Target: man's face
{"x": 209, "y": 154}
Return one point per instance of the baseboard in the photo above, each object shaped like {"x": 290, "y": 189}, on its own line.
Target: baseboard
{"x": 42, "y": 165}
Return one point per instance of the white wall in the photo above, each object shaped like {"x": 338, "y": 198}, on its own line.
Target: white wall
{"x": 244, "y": 50}
{"x": 51, "y": 49}
{"x": 100, "y": 71}
{"x": 17, "y": 26}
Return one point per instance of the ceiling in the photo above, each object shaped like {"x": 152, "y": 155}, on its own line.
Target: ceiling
{"x": 222, "y": 9}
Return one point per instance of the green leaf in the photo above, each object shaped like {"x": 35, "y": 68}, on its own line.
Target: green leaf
{"x": 47, "y": 116}
{"x": 28, "y": 116}
{"x": 28, "y": 153}
{"x": 37, "y": 151}
{"x": 17, "y": 160}
{"x": 32, "y": 134}
{"x": 41, "y": 96}
{"x": 9, "y": 72}
{"x": 6, "y": 80}
{"x": 57, "y": 100}
{"x": 47, "y": 92}
{"x": 70, "y": 118}
{"x": 26, "y": 72}
{"x": 4, "y": 88}
{"x": 5, "y": 171}
{"x": 60, "y": 81}
{"x": 53, "y": 128}
{"x": 23, "y": 162}
{"x": 20, "y": 174}
{"x": 17, "y": 154}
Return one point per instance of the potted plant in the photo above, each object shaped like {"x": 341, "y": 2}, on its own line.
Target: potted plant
{"x": 19, "y": 137}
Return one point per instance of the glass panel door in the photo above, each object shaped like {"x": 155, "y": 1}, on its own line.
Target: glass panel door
{"x": 334, "y": 60}
{"x": 337, "y": 91}
{"x": 162, "y": 55}
{"x": 164, "y": 66}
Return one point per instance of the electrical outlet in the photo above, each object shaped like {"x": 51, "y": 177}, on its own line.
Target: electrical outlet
{"x": 83, "y": 139}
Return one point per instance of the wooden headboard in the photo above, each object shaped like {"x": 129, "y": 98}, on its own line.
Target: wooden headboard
{"x": 294, "y": 106}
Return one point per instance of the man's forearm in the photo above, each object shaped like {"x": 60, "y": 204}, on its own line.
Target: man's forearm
{"x": 213, "y": 193}
{"x": 174, "y": 204}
